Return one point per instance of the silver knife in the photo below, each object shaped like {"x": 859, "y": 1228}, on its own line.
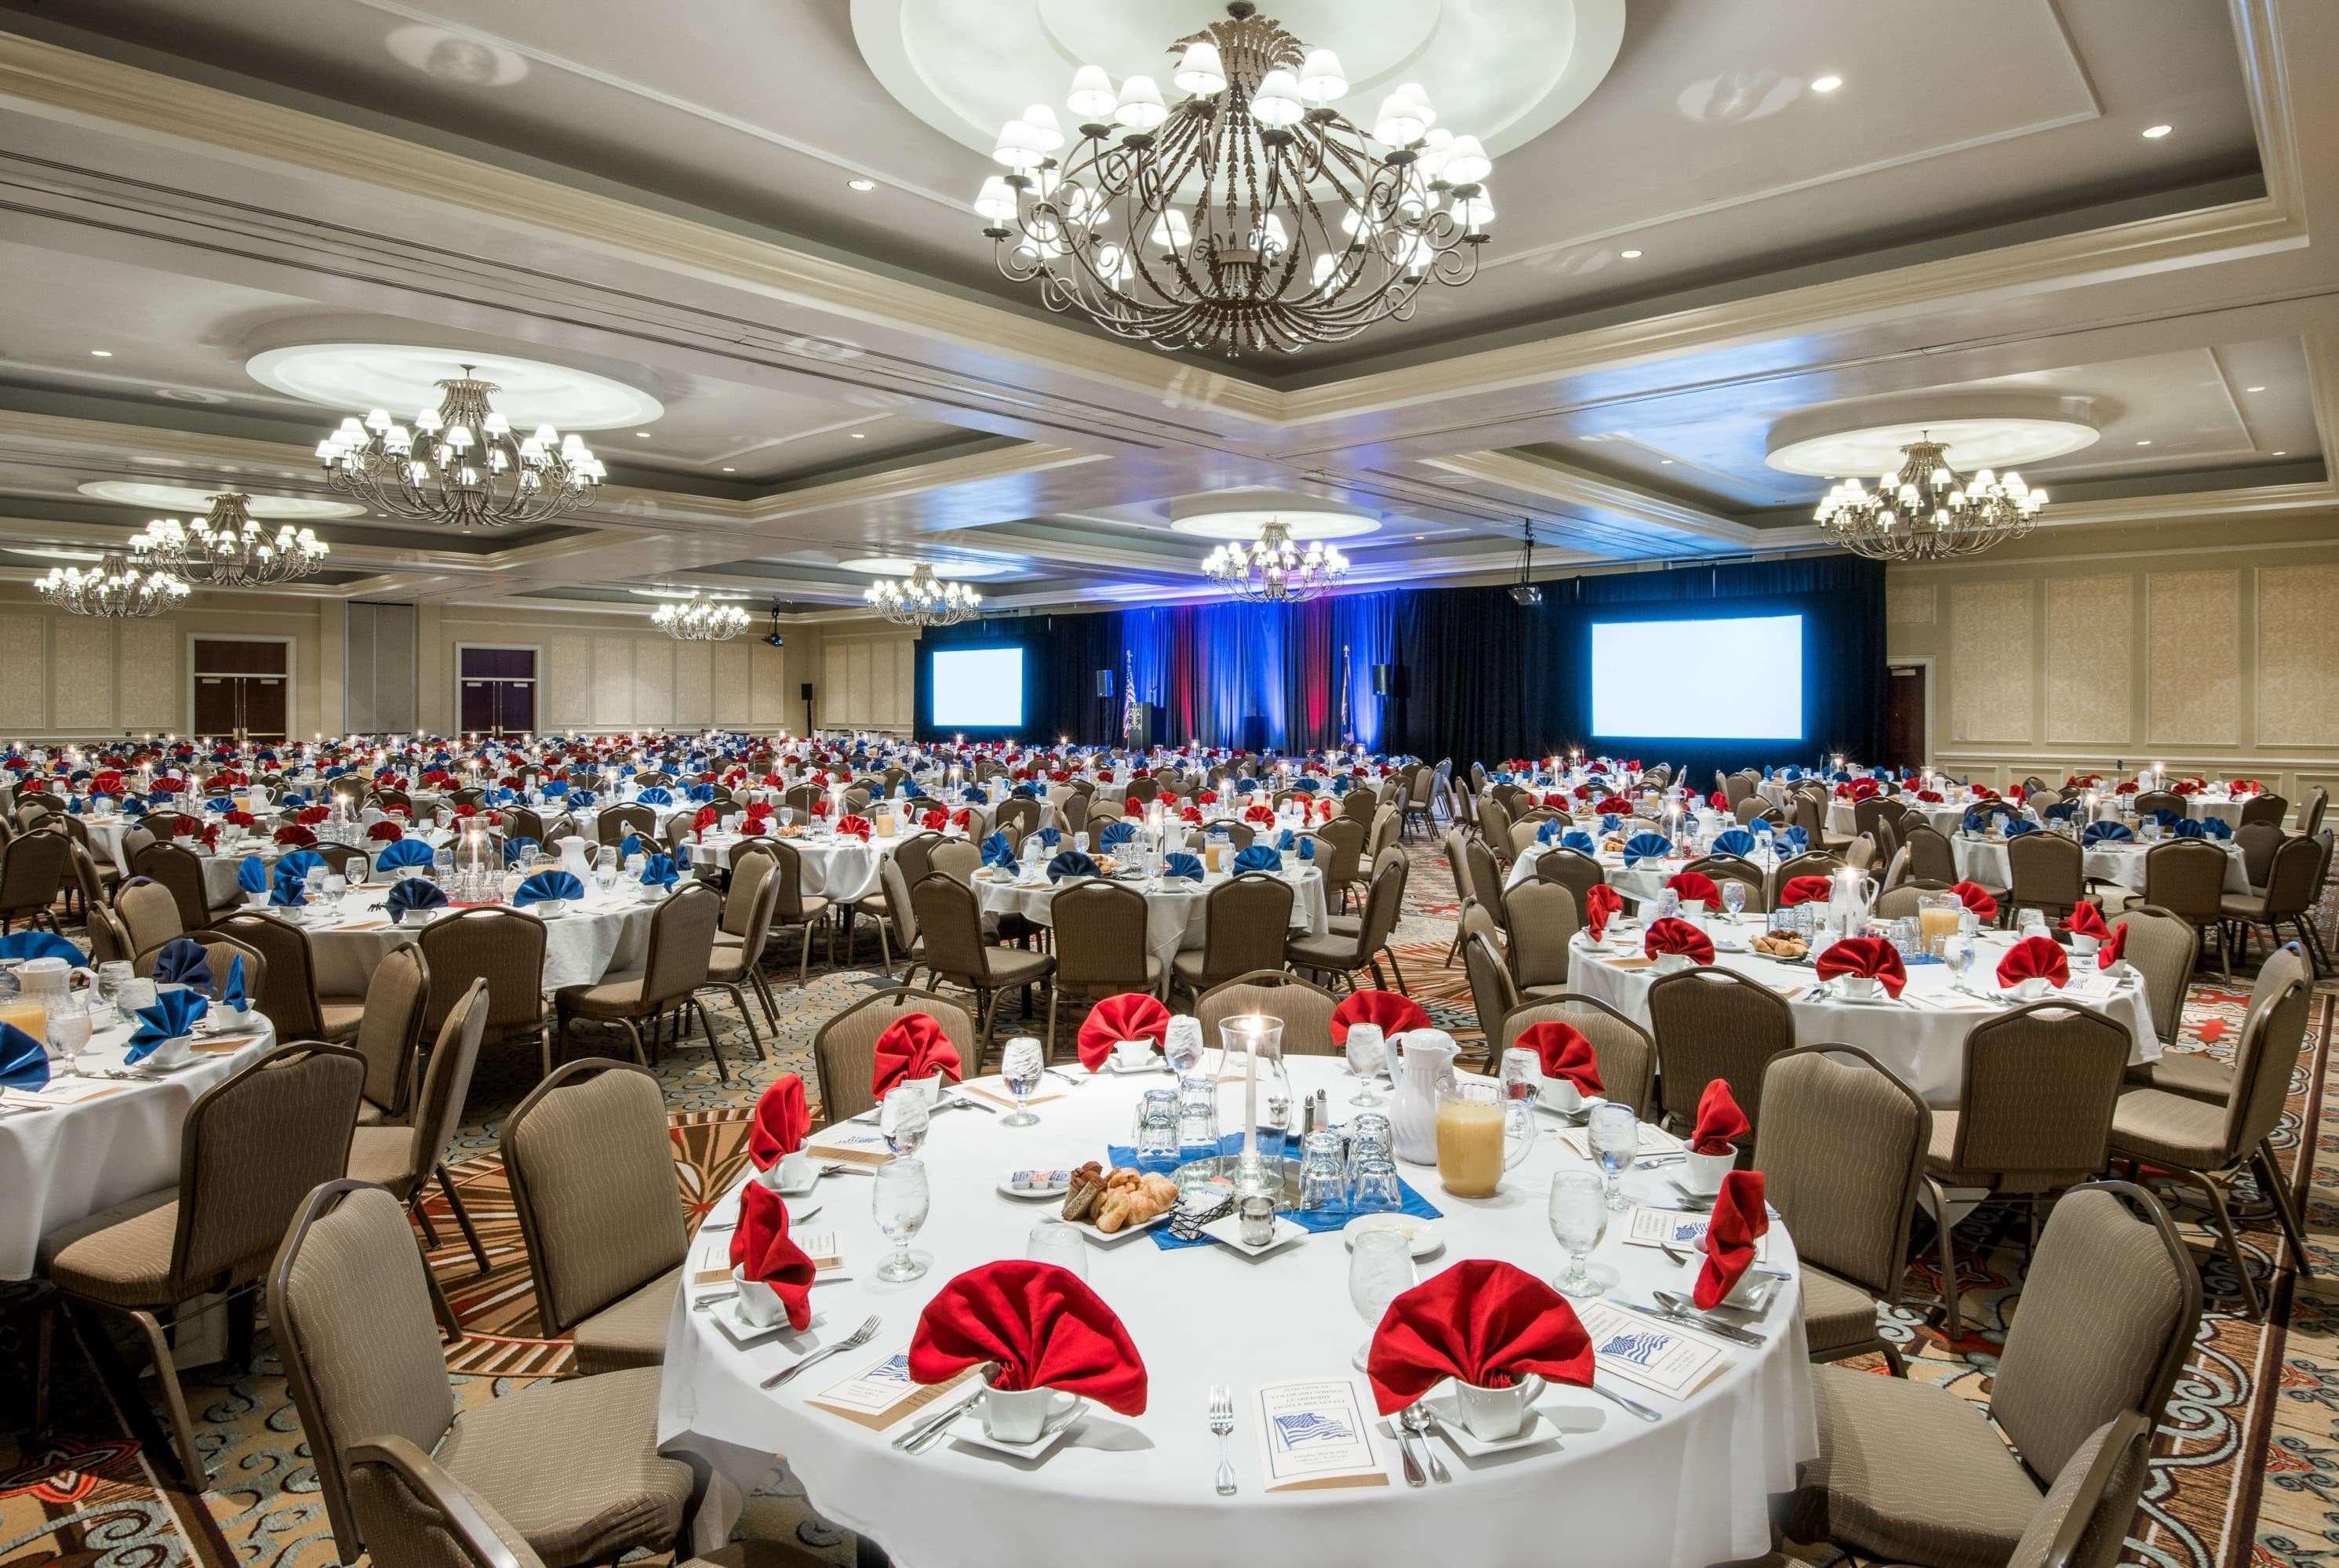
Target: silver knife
{"x": 1724, "y": 1330}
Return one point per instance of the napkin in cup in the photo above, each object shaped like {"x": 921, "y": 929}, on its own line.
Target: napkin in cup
{"x": 1644, "y": 846}
{"x": 517, "y": 851}
{"x": 1483, "y": 1321}
{"x": 852, "y": 825}
{"x": 412, "y": 892}
{"x": 251, "y": 873}
{"x": 1977, "y": 899}
{"x": 1578, "y": 839}
{"x": 656, "y": 794}
{"x": 1041, "y": 1322}
{"x": 1564, "y": 1053}
{"x": 1673, "y": 935}
{"x": 1720, "y": 1123}
{"x": 1801, "y": 889}
{"x": 2114, "y": 947}
{"x": 1396, "y": 1012}
{"x": 547, "y": 884}
{"x": 2032, "y": 958}
{"x": 1050, "y": 837}
{"x": 1602, "y": 904}
{"x": 173, "y": 1015}
{"x": 1072, "y": 863}
{"x": 2086, "y": 919}
{"x": 997, "y": 852}
{"x": 232, "y": 998}
{"x": 912, "y": 1046}
{"x": 1697, "y": 886}
{"x": 763, "y": 1251}
{"x": 1739, "y": 1218}
{"x": 406, "y": 851}
{"x": 1183, "y": 865}
{"x": 184, "y": 960}
{"x": 629, "y": 847}
{"x": 24, "y": 1064}
{"x": 289, "y": 889}
{"x": 1736, "y": 840}
{"x": 2108, "y": 833}
{"x": 658, "y": 870}
{"x": 783, "y": 1121}
{"x": 1115, "y": 834}
{"x": 1257, "y": 857}
{"x": 1864, "y": 957}
{"x": 1132, "y": 1015}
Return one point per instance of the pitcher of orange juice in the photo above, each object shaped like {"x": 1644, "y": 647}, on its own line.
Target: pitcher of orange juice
{"x": 1478, "y": 1139}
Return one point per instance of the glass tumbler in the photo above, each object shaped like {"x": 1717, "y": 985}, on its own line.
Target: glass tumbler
{"x": 1153, "y": 1134}
{"x": 1323, "y": 1172}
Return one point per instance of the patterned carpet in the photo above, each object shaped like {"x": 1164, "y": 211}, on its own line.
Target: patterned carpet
{"x": 2247, "y": 1468}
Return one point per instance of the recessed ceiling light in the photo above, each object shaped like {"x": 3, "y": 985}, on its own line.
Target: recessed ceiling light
{"x": 730, "y": 470}
{"x": 1826, "y": 84}
{"x": 1630, "y": 255}
{"x": 2253, "y": 389}
{"x": 641, "y": 435}
{"x": 859, "y": 436}
{"x": 2282, "y": 454}
{"x": 2155, "y": 133}
{"x": 101, "y": 354}
{"x": 2144, "y": 443}
{"x": 861, "y": 185}
{"x": 1664, "y": 462}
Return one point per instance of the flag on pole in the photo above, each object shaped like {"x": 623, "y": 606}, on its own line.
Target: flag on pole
{"x": 1128, "y": 694}
{"x": 1347, "y": 730}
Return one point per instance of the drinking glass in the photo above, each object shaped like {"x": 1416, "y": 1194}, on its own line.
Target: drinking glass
{"x": 442, "y": 862}
{"x": 1373, "y": 1185}
{"x": 1323, "y": 1173}
{"x": 1366, "y": 1054}
{"x": 902, "y": 1118}
{"x": 1616, "y": 1138}
{"x": 70, "y": 1025}
{"x": 1380, "y": 1269}
{"x": 1522, "y": 1075}
{"x": 1733, "y": 898}
{"x": 1198, "y": 1131}
{"x": 899, "y": 1203}
{"x": 1053, "y": 1241}
{"x": 1579, "y": 1219}
{"x": 1154, "y": 1131}
{"x": 1020, "y": 1067}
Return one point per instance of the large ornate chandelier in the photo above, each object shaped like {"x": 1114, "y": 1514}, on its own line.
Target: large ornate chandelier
{"x": 113, "y": 590}
{"x": 922, "y": 599}
{"x": 1272, "y": 570}
{"x": 1925, "y": 512}
{"x": 700, "y": 619}
{"x": 228, "y": 548}
{"x": 460, "y": 464}
{"x": 1251, "y": 215}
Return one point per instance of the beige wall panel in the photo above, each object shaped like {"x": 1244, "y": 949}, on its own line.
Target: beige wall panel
{"x": 1991, "y": 672}
{"x": 2194, "y": 655}
{"x": 2298, "y": 656}
{"x": 2087, "y": 659}
{"x": 566, "y": 682}
{"x": 1910, "y": 604}
{"x": 83, "y": 676}
{"x": 728, "y": 663}
{"x": 694, "y": 684}
{"x": 613, "y": 680}
{"x": 832, "y": 703}
{"x": 654, "y": 680}
{"x": 25, "y": 660}
{"x": 153, "y": 687}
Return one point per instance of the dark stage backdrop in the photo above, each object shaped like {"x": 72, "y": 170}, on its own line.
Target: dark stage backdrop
{"x": 1471, "y": 675}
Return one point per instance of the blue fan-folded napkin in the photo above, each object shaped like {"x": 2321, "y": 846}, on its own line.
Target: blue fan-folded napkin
{"x": 1288, "y": 842}
{"x": 406, "y": 851}
{"x": 629, "y": 847}
{"x": 1308, "y": 846}
{"x": 660, "y": 870}
{"x": 2216, "y": 827}
{"x": 656, "y": 794}
{"x": 300, "y": 862}
{"x": 1246, "y": 786}
{"x": 410, "y": 894}
{"x": 517, "y": 850}
{"x": 1025, "y": 792}
{"x": 23, "y": 1063}
{"x": 2166, "y": 819}
{"x": 974, "y": 795}
{"x": 2108, "y": 833}
{"x": 547, "y": 884}
{"x": 2017, "y": 826}
{"x": 219, "y": 803}
{"x": 289, "y": 891}
{"x": 40, "y": 944}
{"x": 1610, "y": 821}
{"x": 1977, "y": 821}
{"x": 556, "y": 789}
{"x": 1761, "y": 827}
{"x": 1550, "y": 831}
{"x": 1071, "y": 863}
{"x": 578, "y": 799}
{"x": 131, "y": 805}
{"x": 2184, "y": 827}
{"x": 998, "y": 851}
{"x": 1184, "y": 865}
{"x": 293, "y": 797}
{"x": 232, "y": 989}
{"x": 2061, "y": 811}
{"x": 700, "y": 793}
{"x": 1259, "y": 857}
{"x": 1644, "y": 846}
{"x": 251, "y": 873}
{"x": 1734, "y": 840}
{"x": 173, "y": 1015}
{"x": 182, "y": 959}
{"x": 1050, "y": 837}
{"x": 1115, "y": 834}
{"x": 1577, "y": 839}
{"x": 1796, "y": 840}
{"x": 1342, "y": 783}
{"x": 1219, "y": 830}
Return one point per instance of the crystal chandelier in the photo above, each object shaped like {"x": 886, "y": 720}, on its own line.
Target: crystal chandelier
{"x": 1249, "y": 216}
{"x": 228, "y": 549}
{"x": 700, "y": 619}
{"x": 1925, "y": 512}
{"x": 922, "y": 599}
{"x": 460, "y": 463}
{"x": 111, "y": 590}
{"x": 1272, "y": 570}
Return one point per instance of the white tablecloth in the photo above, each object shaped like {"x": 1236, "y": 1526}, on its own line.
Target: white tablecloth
{"x": 1177, "y": 915}
{"x": 1691, "y": 1489}
{"x": 840, "y": 868}
{"x": 602, "y": 931}
{"x": 1923, "y": 1047}
{"x": 1985, "y": 861}
{"x": 67, "y": 1162}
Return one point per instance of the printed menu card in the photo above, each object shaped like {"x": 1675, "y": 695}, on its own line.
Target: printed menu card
{"x": 1314, "y": 1434}
{"x": 1676, "y": 1362}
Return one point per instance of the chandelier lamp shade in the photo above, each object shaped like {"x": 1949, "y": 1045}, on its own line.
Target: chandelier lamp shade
{"x": 700, "y": 619}
{"x": 1926, "y": 512}
{"x": 1272, "y": 569}
{"x": 113, "y": 590}
{"x": 1247, "y": 216}
{"x": 460, "y": 464}
{"x": 922, "y": 599}
{"x": 229, "y": 549}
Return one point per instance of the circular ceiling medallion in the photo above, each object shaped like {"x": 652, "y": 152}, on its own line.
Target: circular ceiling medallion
{"x": 197, "y": 500}
{"x": 1980, "y": 432}
{"x": 902, "y": 566}
{"x": 1505, "y": 71}
{"x": 1241, "y": 513}
{"x": 404, "y": 379}
{"x": 720, "y": 595}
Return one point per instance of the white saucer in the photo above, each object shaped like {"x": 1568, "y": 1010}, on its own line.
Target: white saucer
{"x": 1227, "y": 1231}
{"x": 801, "y": 1187}
{"x": 1752, "y": 1295}
{"x": 1540, "y": 1428}
{"x": 1156, "y": 1064}
{"x": 1425, "y": 1234}
{"x": 968, "y": 1429}
{"x": 726, "y": 1316}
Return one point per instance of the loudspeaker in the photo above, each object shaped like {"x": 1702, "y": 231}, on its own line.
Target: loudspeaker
{"x": 1104, "y": 682}
{"x": 1384, "y": 680}
{"x": 804, "y": 692}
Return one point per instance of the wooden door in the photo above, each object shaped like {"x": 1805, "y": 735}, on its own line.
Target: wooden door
{"x": 497, "y": 691}
{"x": 243, "y": 689}
{"x": 1904, "y": 717}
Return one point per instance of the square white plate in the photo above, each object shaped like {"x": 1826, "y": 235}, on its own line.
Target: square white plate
{"x": 726, "y": 1316}
{"x": 1114, "y": 1238}
{"x": 1227, "y": 1231}
{"x": 968, "y": 1429}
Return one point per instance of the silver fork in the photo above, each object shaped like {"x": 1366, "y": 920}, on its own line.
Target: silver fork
{"x": 853, "y": 1341}
{"x": 1222, "y": 1422}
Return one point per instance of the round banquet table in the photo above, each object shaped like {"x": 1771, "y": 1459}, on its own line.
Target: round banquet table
{"x": 70, "y": 1157}
{"x": 1688, "y": 1490}
{"x": 1984, "y": 860}
{"x": 838, "y": 866}
{"x": 1919, "y": 1038}
{"x": 598, "y": 933}
{"x": 1177, "y": 912}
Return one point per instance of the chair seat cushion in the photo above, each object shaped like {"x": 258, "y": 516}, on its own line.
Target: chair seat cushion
{"x": 1330, "y": 950}
{"x": 1013, "y": 966}
{"x": 2242, "y": 905}
{"x": 2173, "y": 1129}
{"x": 1838, "y": 1316}
{"x": 631, "y": 1330}
{"x": 121, "y": 1255}
{"x": 1909, "y": 1473}
{"x": 384, "y": 1154}
{"x": 811, "y": 906}
{"x": 616, "y": 994}
{"x": 2193, "y": 1073}
{"x": 372, "y": 1115}
{"x": 1349, "y": 925}
{"x": 339, "y": 1016}
{"x": 574, "y": 1466}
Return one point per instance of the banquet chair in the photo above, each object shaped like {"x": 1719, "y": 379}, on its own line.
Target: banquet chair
{"x": 1724, "y": 868}
{"x": 352, "y": 860}
{"x": 1350, "y": 924}
{"x": 1246, "y": 921}
{"x": 2162, "y": 948}
{"x": 33, "y": 871}
{"x": 914, "y": 854}
{"x": 1866, "y": 813}
{"x": 2258, "y": 843}
{"x": 1022, "y": 814}
{"x": 1382, "y": 836}
{"x": 2209, "y": 1143}
{"x": 1142, "y": 789}
{"x": 1493, "y": 994}
{"x": 1493, "y": 823}
{"x": 673, "y": 972}
{"x": 2047, "y": 871}
{"x": 1101, "y": 947}
{"x": 389, "y": 1036}
{"x": 2187, "y": 877}
{"x": 387, "y": 798}
{"x": 844, "y": 1050}
{"x": 1860, "y": 852}
{"x": 1746, "y": 810}
{"x": 897, "y": 933}
{"x": 2289, "y": 889}
{"x": 2151, "y": 800}
{"x": 1909, "y": 1471}
{"x": 2265, "y": 806}
{"x": 1488, "y": 872}
{"x": 1810, "y": 814}
{"x": 1075, "y": 813}
{"x": 570, "y": 1466}
{"x": 612, "y": 824}
{"x": 1896, "y": 873}
{"x": 1305, "y": 1009}
{"x": 793, "y": 907}
{"x": 1541, "y": 919}
{"x": 1898, "y": 902}
{"x": 1735, "y": 788}
{"x": 2310, "y": 811}
{"x": 162, "y": 823}
{"x": 1930, "y": 858}
{"x": 956, "y": 859}
{"x": 735, "y": 962}
{"x": 109, "y": 939}
{"x": 290, "y": 1000}
{"x": 472, "y": 795}
{"x": 403, "y": 1158}
{"x": 1887, "y": 835}
{"x": 179, "y": 868}
{"x": 1342, "y": 953}
{"x": 1523, "y": 833}
{"x": 949, "y": 920}
{"x": 591, "y": 1167}
{"x": 1627, "y": 1056}
{"x": 504, "y": 947}
{"x": 1344, "y": 867}
{"x": 90, "y": 880}
{"x": 802, "y": 797}
{"x": 250, "y": 1150}
{"x": 1711, "y": 1023}
{"x": 219, "y": 953}
{"x": 1572, "y": 869}
{"x": 523, "y": 821}
{"x": 2034, "y": 1114}
{"x": 1240, "y": 835}
{"x": 1842, "y": 1155}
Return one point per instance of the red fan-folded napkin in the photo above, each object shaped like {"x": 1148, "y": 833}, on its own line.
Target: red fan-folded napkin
{"x": 295, "y": 836}
{"x": 1718, "y": 801}
{"x": 185, "y": 827}
{"x": 758, "y": 814}
{"x": 1564, "y": 1053}
{"x": 1697, "y": 884}
{"x": 310, "y": 816}
{"x": 934, "y": 821}
{"x": 2032, "y": 957}
{"x": 707, "y": 818}
{"x": 912, "y": 1046}
{"x": 1977, "y": 898}
{"x": 1132, "y": 1015}
{"x": 821, "y": 806}
{"x": 858, "y": 827}
{"x": 1740, "y": 1219}
{"x": 1805, "y": 890}
{"x": 1671, "y": 935}
{"x": 1487, "y": 1322}
{"x": 384, "y": 831}
{"x": 1869, "y": 956}
{"x": 1043, "y": 1326}
{"x": 1393, "y": 1011}
{"x": 1930, "y": 796}
{"x": 782, "y": 1122}
{"x": 1720, "y": 1123}
{"x": 2114, "y": 946}
{"x": 1553, "y": 800}
{"x": 1601, "y": 905}
{"x": 1264, "y": 815}
{"x": 2086, "y": 919}
{"x": 1612, "y": 805}
{"x": 761, "y": 1250}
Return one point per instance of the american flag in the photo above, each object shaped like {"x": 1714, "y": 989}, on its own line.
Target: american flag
{"x": 1305, "y": 1426}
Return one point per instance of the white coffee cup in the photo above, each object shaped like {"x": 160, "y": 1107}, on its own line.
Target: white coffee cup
{"x": 1702, "y": 1173}
{"x": 759, "y": 1303}
{"x": 792, "y": 1169}
{"x": 1497, "y": 1414}
{"x": 1673, "y": 962}
{"x": 230, "y": 1018}
{"x": 1020, "y": 1414}
{"x": 928, "y": 1089}
{"x": 2084, "y": 946}
{"x": 173, "y": 1053}
{"x": 2034, "y": 989}
{"x": 1560, "y": 1094}
{"x": 1131, "y": 1053}
{"x": 1860, "y": 987}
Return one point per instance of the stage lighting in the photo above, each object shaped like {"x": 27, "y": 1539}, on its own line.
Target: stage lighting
{"x": 1527, "y": 594}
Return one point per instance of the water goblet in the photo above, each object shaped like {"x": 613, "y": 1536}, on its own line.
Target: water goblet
{"x": 899, "y": 1202}
{"x": 902, "y": 1118}
{"x": 1053, "y": 1241}
{"x": 1020, "y": 1067}
{"x": 1380, "y": 1269}
{"x": 1733, "y": 898}
{"x": 1182, "y": 1048}
{"x": 1615, "y": 1134}
{"x": 1365, "y": 1054}
{"x": 1579, "y": 1219}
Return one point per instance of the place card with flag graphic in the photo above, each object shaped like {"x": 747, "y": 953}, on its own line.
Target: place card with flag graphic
{"x": 1682, "y": 1232}
{"x": 1673, "y": 1361}
{"x": 840, "y": 1143}
{"x": 1314, "y": 1434}
{"x": 882, "y": 1393}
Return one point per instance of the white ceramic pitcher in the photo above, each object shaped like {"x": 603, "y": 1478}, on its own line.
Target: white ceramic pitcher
{"x": 1425, "y": 1076}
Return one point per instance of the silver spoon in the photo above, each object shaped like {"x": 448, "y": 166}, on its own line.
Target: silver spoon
{"x": 1416, "y": 1421}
